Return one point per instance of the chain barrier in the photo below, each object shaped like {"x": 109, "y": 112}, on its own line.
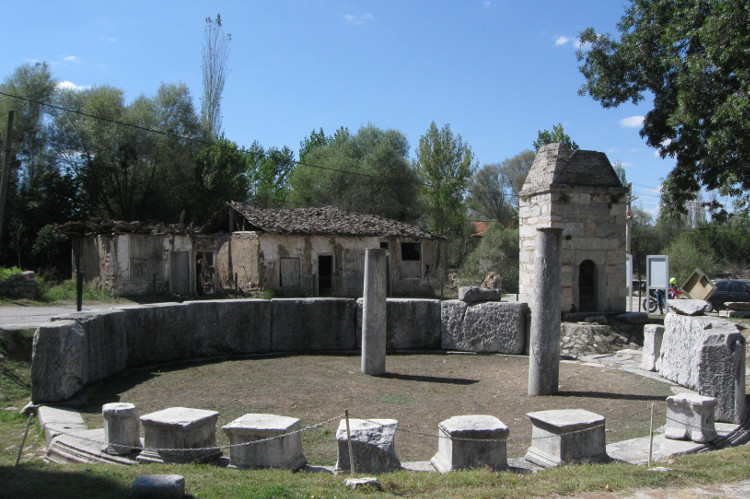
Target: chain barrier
{"x": 339, "y": 417}
{"x": 78, "y": 436}
{"x": 507, "y": 440}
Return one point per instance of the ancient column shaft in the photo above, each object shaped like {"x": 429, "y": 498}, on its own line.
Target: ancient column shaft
{"x": 374, "y": 313}
{"x": 544, "y": 338}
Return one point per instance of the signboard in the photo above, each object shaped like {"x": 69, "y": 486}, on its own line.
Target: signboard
{"x": 657, "y": 276}
{"x": 657, "y": 271}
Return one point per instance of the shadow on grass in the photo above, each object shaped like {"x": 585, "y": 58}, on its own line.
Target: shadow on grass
{"x": 429, "y": 379}
{"x": 610, "y": 395}
{"x": 33, "y": 481}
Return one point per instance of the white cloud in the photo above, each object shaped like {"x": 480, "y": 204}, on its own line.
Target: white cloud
{"x": 358, "y": 20}
{"x": 486, "y": 4}
{"x": 69, "y": 85}
{"x": 612, "y": 150}
{"x": 71, "y": 58}
{"x": 632, "y": 122}
{"x": 625, "y": 164}
{"x": 562, "y": 40}
{"x": 108, "y": 39}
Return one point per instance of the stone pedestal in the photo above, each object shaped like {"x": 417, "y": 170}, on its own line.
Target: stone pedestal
{"x": 544, "y": 337}
{"x": 282, "y": 452}
{"x": 121, "y": 428}
{"x": 372, "y": 445}
{"x": 566, "y": 436}
{"x": 188, "y": 434}
{"x": 471, "y": 441}
{"x": 691, "y": 417}
{"x": 374, "y": 313}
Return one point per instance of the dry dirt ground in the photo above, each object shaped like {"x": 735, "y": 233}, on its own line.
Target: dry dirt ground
{"x": 418, "y": 390}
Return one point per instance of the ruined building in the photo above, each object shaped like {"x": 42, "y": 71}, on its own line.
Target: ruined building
{"x": 579, "y": 192}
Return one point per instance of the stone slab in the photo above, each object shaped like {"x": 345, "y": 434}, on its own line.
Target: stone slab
{"x": 158, "y": 487}
{"x": 373, "y": 445}
{"x": 489, "y": 327}
{"x": 55, "y": 420}
{"x": 738, "y": 305}
{"x": 688, "y": 307}
{"x": 283, "y": 452}
{"x": 313, "y": 324}
{"x": 83, "y": 447}
{"x": 652, "y": 338}
{"x": 706, "y": 355}
{"x": 476, "y": 294}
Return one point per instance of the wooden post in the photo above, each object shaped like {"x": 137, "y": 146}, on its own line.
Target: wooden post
{"x": 349, "y": 442}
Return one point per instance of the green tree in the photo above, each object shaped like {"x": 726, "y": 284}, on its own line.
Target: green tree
{"x": 491, "y": 196}
{"x": 268, "y": 174}
{"x": 686, "y": 253}
{"x": 445, "y": 164}
{"x": 497, "y": 252}
{"x": 214, "y": 71}
{"x": 126, "y": 172}
{"x": 40, "y": 191}
{"x": 691, "y": 58}
{"x": 367, "y": 172}
{"x": 557, "y": 134}
{"x": 220, "y": 172}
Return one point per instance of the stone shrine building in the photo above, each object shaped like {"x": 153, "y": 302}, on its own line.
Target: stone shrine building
{"x": 579, "y": 192}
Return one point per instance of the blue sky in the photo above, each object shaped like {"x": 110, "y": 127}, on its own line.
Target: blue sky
{"x": 496, "y": 70}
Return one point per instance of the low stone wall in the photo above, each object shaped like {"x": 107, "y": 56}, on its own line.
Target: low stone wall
{"x": 82, "y": 348}
{"x": 706, "y": 355}
{"x": 21, "y": 285}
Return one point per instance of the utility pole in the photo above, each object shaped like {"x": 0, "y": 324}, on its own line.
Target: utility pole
{"x": 5, "y": 176}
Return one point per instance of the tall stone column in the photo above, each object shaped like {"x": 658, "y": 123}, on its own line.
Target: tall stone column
{"x": 544, "y": 339}
{"x": 373, "y": 316}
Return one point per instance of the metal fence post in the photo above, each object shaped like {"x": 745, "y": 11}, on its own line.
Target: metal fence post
{"x": 79, "y": 290}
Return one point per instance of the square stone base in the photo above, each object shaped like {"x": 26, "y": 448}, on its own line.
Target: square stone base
{"x": 471, "y": 441}
{"x": 565, "y": 436}
{"x": 188, "y": 434}
{"x": 282, "y": 452}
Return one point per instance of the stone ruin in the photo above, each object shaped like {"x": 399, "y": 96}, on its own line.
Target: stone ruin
{"x": 579, "y": 192}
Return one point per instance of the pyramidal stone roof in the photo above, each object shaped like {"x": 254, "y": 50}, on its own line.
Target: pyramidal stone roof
{"x": 316, "y": 221}
{"x": 557, "y": 165}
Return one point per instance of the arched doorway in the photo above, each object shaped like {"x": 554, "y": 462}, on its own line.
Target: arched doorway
{"x": 586, "y": 286}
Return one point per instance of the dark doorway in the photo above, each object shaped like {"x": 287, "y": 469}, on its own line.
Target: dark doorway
{"x": 325, "y": 275}
{"x": 586, "y": 286}
{"x": 204, "y": 270}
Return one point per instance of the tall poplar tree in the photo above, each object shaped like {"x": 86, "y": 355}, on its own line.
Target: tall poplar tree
{"x": 214, "y": 68}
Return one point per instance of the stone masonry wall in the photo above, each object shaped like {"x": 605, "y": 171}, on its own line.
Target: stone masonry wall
{"x": 82, "y": 348}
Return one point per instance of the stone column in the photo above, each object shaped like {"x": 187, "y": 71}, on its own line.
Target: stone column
{"x": 373, "y": 316}
{"x": 544, "y": 338}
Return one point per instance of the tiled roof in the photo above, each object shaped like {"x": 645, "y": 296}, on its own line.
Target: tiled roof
{"x": 317, "y": 221}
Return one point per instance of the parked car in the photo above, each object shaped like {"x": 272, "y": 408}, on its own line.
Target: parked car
{"x": 729, "y": 290}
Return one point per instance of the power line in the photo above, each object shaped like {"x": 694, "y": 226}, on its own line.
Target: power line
{"x": 209, "y": 144}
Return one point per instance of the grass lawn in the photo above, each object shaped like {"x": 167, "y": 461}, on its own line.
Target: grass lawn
{"x": 419, "y": 391}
